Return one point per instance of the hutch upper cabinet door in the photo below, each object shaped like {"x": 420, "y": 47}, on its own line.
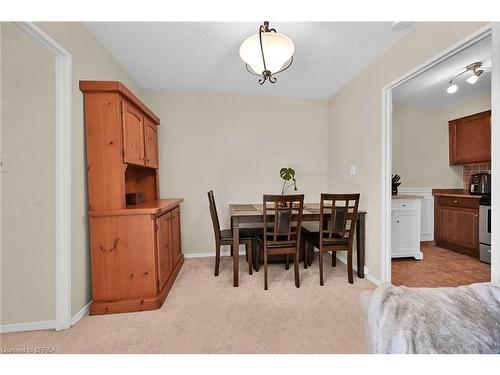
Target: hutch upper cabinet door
{"x": 133, "y": 135}
{"x": 151, "y": 143}
{"x": 163, "y": 242}
{"x": 470, "y": 139}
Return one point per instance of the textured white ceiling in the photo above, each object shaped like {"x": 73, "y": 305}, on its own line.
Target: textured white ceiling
{"x": 203, "y": 56}
{"x": 429, "y": 88}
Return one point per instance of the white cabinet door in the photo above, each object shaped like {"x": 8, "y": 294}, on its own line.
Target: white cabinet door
{"x": 406, "y": 230}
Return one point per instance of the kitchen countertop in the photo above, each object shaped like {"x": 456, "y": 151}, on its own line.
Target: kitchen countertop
{"x": 455, "y": 193}
{"x": 407, "y": 197}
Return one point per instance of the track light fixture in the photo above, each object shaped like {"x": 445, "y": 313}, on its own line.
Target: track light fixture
{"x": 476, "y": 69}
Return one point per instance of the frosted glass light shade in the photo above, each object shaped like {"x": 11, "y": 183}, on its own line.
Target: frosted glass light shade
{"x": 278, "y": 49}
{"x": 473, "y": 78}
{"x": 452, "y": 89}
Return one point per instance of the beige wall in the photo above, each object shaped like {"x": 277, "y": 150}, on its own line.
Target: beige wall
{"x": 420, "y": 143}
{"x": 28, "y": 231}
{"x": 89, "y": 61}
{"x": 354, "y": 121}
{"x": 234, "y": 145}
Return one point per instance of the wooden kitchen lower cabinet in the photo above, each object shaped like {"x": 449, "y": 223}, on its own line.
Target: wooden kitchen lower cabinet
{"x": 135, "y": 257}
{"x": 456, "y": 224}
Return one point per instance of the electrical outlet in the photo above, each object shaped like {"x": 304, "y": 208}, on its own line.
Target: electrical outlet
{"x": 353, "y": 170}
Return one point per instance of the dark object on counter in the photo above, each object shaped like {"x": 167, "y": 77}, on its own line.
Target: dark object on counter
{"x": 135, "y": 198}
{"x": 395, "y": 184}
{"x": 480, "y": 184}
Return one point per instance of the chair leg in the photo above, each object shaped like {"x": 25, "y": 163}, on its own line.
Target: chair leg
{"x": 311, "y": 253}
{"x": 334, "y": 259}
{"x": 249, "y": 246}
{"x": 306, "y": 254}
{"x": 257, "y": 256}
{"x": 265, "y": 269}
{"x": 217, "y": 258}
{"x": 320, "y": 267}
{"x": 296, "y": 268}
{"x": 349, "y": 266}
{"x": 287, "y": 261}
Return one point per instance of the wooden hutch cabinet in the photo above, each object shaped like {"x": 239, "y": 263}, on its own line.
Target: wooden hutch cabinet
{"x": 135, "y": 249}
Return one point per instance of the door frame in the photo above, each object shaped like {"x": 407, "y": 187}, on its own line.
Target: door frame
{"x": 62, "y": 172}
{"x": 492, "y": 29}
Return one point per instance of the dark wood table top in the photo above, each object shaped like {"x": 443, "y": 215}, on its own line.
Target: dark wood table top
{"x": 255, "y": 209}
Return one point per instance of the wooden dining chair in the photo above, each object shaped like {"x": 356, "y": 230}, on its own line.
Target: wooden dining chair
{"x": 282, "y": 219}
{"x": 224, "y": 237}
{"x": 337, "y": 223}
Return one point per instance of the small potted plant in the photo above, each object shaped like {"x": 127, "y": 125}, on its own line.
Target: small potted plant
{"x": 288, "y": 176}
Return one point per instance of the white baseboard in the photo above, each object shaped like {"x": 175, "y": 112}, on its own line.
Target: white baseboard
{"x": 30, "y": 326}
{"x": 80, "y": 314}
{"x": 368, "y": 276}
{"x": 211, "y": 254}
{"x": 45, "y": 324}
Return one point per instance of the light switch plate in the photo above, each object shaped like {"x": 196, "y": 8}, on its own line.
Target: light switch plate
{"x": 3, "y": 163}
{"x": 353, "y": 170}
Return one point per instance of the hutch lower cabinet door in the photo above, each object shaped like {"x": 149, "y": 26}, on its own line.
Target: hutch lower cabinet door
{"x": 164, "y": 246}
{"x": 133, "y": 262}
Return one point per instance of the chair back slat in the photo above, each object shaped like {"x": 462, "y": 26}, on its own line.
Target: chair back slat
{"x": 338, "y": 215}
{"x": 285, "y": 225}
{"x": 213, "y": 213}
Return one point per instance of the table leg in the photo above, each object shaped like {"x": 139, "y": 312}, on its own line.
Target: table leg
{"x": 236, "y": 249}
{"x": 360, "y": 245}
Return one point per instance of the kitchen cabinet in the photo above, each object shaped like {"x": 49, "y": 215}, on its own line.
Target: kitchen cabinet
{"x": 470, "y": 139}
{"x": 135, "y": 249}
{"x": 405, "y": 225}
{"x": 457, "y": 224}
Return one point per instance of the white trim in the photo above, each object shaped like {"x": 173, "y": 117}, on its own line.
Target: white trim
{"x": 386, "y": 148}
{"x": 495, "y": 154}
{"x": 30, "y": 326}
{"x": 84, "y": 311}
{"x": 62, "y": 173}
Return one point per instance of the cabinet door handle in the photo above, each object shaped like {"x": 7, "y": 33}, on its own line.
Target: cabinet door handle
{"x": 404, "y": 205}
{"x": 397, "y": 221}
{"x": 455, "y": 201}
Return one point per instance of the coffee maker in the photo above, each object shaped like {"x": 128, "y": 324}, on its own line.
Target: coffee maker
{"x": 480, "y": 184}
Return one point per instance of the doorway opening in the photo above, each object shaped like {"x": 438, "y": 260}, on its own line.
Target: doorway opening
{"x": 431, "y": 228}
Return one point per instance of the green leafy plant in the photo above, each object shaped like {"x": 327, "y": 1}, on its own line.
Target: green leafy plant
{"x": 288, "y": 174}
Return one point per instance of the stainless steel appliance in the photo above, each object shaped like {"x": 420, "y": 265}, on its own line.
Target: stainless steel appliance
{"x": 485, "y": 229}
{"x": 480, "y": 184}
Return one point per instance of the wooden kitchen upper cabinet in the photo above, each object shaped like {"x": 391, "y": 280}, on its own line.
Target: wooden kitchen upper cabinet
{"x": 135, "y": 250}
{"x": 456, "y": 224}
{"x": 470, "y": 139}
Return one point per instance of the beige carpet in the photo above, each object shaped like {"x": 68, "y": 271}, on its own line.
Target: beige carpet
{"x": 205, "y": 314}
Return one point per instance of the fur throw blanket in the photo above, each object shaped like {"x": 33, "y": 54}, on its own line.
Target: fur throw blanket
{"x": 435, "y": 320}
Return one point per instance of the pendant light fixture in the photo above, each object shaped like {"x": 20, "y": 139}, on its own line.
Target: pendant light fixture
{"x": 267, "y": 53}
{"x": 476, "y": 69}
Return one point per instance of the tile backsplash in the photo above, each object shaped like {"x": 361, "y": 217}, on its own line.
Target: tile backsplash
{"x": 470, "y": 169}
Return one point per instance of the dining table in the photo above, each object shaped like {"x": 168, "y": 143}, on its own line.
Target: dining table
{"x": 252, "y": 214}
